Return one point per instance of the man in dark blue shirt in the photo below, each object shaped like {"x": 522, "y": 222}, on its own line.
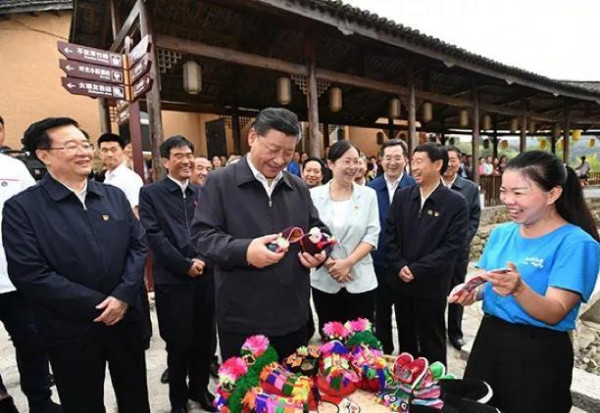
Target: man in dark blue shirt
{"x": 183, "y": 287}
{"x": 74, "y": 247}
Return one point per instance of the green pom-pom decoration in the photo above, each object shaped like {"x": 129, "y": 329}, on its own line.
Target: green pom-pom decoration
{"x": 250, "y": 379}
{"x": 364, "y": 337}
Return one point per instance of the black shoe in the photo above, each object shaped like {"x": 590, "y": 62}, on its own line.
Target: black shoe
{"x": 205, "y": 400}
{"x": 7, "y": 405}
{"x": 214, "y": 369}
{"x": 179, "y": 409}
{"x": 457, "y": 343}
{"x": 164, "y": 378}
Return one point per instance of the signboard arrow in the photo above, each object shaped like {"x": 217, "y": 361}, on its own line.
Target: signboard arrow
{"x": 141, "y": 68}
{"x": 90, "y": 55}
{"x": 94, "y": 89}
{"x": 141, "y": 87}
{"x": 140, "y": 49}
{"x": 92, "y": 72}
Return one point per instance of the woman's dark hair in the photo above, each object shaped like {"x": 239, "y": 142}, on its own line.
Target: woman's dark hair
{"x": 547, "y": 171}
{"x": 175, "y": 141}
{"x": 435, "y": 152}
{"x": 338, "y": 149}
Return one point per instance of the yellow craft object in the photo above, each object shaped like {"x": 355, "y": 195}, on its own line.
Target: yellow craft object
{"x": 504, "y": 144}
{"x": 576, "y": 134}
{"x": 592, "y": 142}
{"x": 543, "y": 144}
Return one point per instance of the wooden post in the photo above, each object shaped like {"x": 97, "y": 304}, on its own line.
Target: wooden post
{"x": 390, "y": 128}
{"x": 566, "y": 133}
{"x": 135, "y": 128}
{"x": 412, "y": 113}
{"x": 153, "y": 96}
{"x": 495, "y": 137}
{"x": 314, "y": 147}
{"x": 523, "y": 137}
{"x": 553, "y": 144}
{"x": 475, "y": 140}
{"x": 105, "y": 125}
{"x": 326, "y": 142}
{"x": 237, "y": 137}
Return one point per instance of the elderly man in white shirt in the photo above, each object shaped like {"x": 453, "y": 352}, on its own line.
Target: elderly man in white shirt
{"x": 15, "y": 310}
{"x": 111, "y": 148}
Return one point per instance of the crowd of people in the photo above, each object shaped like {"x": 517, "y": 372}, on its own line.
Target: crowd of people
{"x": 74, "y": 253}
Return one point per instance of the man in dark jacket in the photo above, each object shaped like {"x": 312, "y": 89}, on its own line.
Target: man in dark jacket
{"x": 183, "y": 288}
{"x": 241, "y": 209}
{"x": 74, "y": 247}
{"x": 394, "y": 155}
{"x": 426, "y": 229}
{"x": 469, "y": 191}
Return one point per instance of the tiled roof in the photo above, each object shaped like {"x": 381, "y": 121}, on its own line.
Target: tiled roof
{"x": 25, "y": 6}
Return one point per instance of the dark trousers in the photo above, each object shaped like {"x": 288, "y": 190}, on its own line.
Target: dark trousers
{"x": 186, "y": 323}
{"x": 17, "y": 316}
{"x": 421, "y": 326}
{"x": 455, "y": 311}
{"x": 343, "y": 306}
{"x": 529, "y": 368}
{"x": 384, "y": 300}
{"x": 79, "y": 365}
{"x": 231, "y": 342}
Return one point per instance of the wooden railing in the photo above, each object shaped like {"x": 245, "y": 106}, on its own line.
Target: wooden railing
{"x": 490, "y": 187}
{"x": 593, "y": 178}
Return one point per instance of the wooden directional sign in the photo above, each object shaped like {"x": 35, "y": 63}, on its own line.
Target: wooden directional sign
{"x": 140, "y": 87}
{"x": 140, "y": 49}
{"x": 95, "y": 89}
{"x": 91, "y": 72}
{"x": 140, "y": 68}
{"x": 90, "y": 55}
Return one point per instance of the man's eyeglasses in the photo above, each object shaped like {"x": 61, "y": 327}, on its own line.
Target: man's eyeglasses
{"x": 72, "y": 148}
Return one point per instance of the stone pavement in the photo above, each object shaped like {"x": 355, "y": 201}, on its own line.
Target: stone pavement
{"x": 156, "y": 361}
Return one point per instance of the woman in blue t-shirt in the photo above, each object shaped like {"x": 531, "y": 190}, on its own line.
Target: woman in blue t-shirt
{"x": 552, "y": 255}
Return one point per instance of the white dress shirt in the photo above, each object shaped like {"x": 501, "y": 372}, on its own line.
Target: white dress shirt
{"x": 14, "y": 178}
{"x": 263, "y": 179}
{"x": 127, "y": 181}
{"x": 391, "y": 186}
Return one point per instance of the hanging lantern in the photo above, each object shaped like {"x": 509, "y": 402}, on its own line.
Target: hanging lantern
{"x": 463, "y": 118}
{"x": 284, "y": 90}
{"x": 592, "y": 142}
{"x": 532, "y": 128}
{"x": 543, "y": 143}
{"x": 560, "y": 145}
{"x": 556, "y": 131}
{"x": 486, "y": 144}
{"x": 451, "y": 141}
{"x": 486, "y": 122}
{"x": 394, "y": 108}
{"x": 504, "y": 144}
{"x": 192, "y": 77}
{"x": 514, "y": 125}
{"x": 576, "y": 134}
{"x": 427, "y": 112}
{"x": 335, "y": 99}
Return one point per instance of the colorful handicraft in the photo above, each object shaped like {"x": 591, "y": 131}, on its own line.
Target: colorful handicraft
{"x": 337, "y": 377}
{"x": 259, "y": 401}
{"x": 275, "y": 379}
{"x": 285, "y": 238}
{"x": 305, "y": 361}
{"x": 316, "y": 241}
{"x": 334, "y": 330}
{"x": 414, "y": 382}
{"x": 256, "y": 355}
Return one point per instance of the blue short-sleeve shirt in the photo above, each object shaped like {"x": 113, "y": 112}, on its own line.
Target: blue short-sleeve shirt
{"x": 566, "y": 258}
